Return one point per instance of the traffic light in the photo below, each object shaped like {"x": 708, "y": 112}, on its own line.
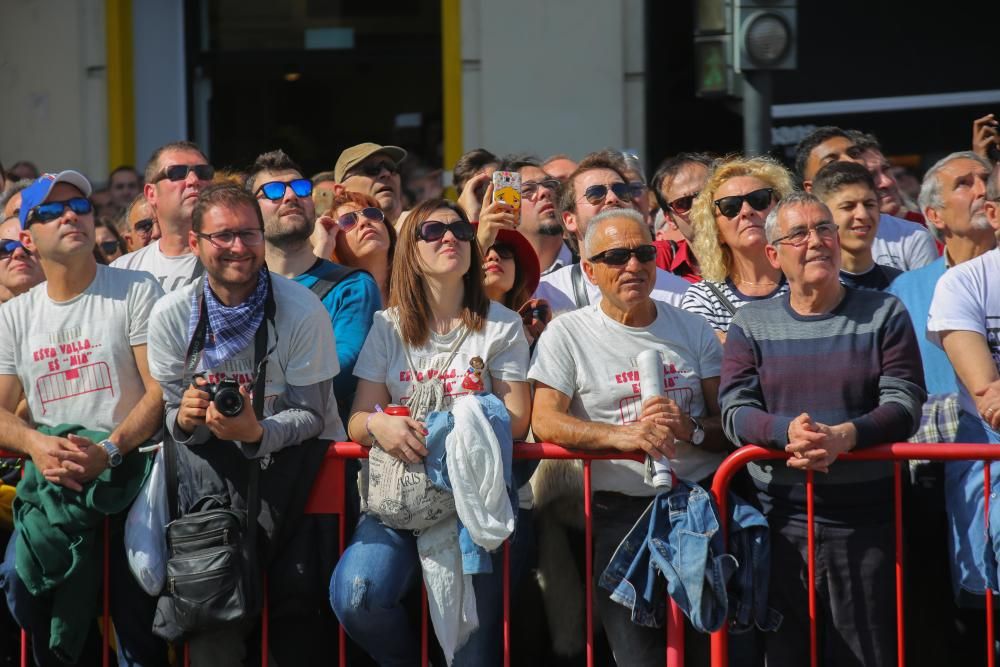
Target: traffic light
{"x": 765, "y": 35}
{"x": 713, "y": 48}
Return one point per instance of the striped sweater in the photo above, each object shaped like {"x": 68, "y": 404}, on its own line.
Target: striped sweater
{"x": 858, "y": 363}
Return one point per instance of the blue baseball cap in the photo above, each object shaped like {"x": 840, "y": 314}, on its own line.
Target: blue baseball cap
{"x": 38, "y": 192}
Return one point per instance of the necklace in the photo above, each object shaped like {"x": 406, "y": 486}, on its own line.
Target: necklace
{"x": 768, "y": 283}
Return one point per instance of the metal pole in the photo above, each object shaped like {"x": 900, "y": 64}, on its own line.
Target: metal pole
{"x": 756, "y": 112}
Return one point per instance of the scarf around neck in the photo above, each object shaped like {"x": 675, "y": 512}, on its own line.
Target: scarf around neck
{"x": 229, "y": 330}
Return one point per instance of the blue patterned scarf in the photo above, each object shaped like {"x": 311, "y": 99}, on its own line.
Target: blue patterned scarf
{"x": 230, "y": 330}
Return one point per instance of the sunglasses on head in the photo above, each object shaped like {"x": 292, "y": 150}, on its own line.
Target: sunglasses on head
{"x": 144, "y": 226}
{"x": 108, "y": 247}
{"x": 9, "y": 246}
{"x": 178, "y": 172}
{"x": 596, "y": 194}
{"x": 349, "y": 220}
{"x": 433, "y": 230}
{"x": 275, "y": 190}
{"x": 374, "y": 169}
{"x": 621, "y": 256}
{"x": 758, "y": 200}
{"x": 682, "y": 205}
{"x": 502, "y": 250}
{"x": 54, "y": 209}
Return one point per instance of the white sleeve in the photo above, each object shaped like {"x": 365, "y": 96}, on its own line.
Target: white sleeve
{"x": 312, "y": 352}
{"x": 553, "y": 363}
{"x": 509, "y": 353}
{"x": 959, "y": 304}
{"x": 141, "y": 299}
{"x": 373, "y": 361}
{"x": 919, "y": 248}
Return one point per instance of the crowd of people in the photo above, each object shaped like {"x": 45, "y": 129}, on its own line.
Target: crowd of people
{"x": 215, "y": 330}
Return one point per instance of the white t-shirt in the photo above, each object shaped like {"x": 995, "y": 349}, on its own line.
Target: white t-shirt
{"x": 967, "y": 298}
{"x": 74, "y": 358}
{"x": 592, "y": 359}
{"x": 304, "y": 351}
{"x": 171, "y": 272}
{"x": 500, "y": 344}
{"x": 903, "y": 244}
{"x": 557, "y": 289}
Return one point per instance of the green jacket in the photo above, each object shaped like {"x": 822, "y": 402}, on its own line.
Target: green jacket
{"x": 59, "y": 544}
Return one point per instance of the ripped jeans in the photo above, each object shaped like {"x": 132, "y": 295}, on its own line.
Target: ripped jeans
{"x": 381, "y": 566}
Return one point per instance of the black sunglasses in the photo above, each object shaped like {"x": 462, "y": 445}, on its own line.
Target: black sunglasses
{"x": 9, "y": 246}
{"x": 434, "y": 230}
{"x": 595, "y": 194}
{"x": 374, "y": 169}
{"x": 348, "y": 220}
{"x": 109, "y": 247}
{"x": 758, "y": 200}
{"x": 682, "y": 205}
{"x": 275, "y": 190}
{"x": 144, "y": 226}
{"x": 620, "y": 256}
{"x": 178, "y": 172}
{"x": 502, "y": 250}
{"x": 54, "y": 209}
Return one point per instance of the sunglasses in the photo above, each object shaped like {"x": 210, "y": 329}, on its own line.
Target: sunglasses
{"x": 596, "y": 194}
{"x": 621, "y": 256}
{"x": 109, "y": 247}
{"x": 502, "y": 250}
{"x": 682, "y": 205}
{"x": 530, "y": 188}
{"x": 179, "y": 172}
{"x": 348, "y": 220}
{"x": 758, "y": 200}
{"x": 144, "y": 226}
{"x": 433, "y": 230}
{"x": 54, "y": 209}
{"x": 9, "y": 246}
{"x": 275, "y": 190}
{"x": 225, "y": 240}
{"x": 638, "y": 189}
{"x": 373, "y": 170}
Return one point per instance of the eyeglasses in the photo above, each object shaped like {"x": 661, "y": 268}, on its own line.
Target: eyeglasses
{"x": 109, "y": 247}
{"x": 502, "y": 250}
{"x": 49, "y": 211}
{"x": 9, "y": 246}
{"x": 824, "y": 231}
{"x": 620, "y": 256}
{"x": 758, "y": 200}
{"x": 638, "y": 189}
{"x": 144, "y": 226}
{"x": 682, "y": 205}
{"x": 348, "y": 220}
{"x": 596, "y": 194}
{"x": 275, "y": 190}
{"x": 374, "y": 169}
{"x": 179, "y": 172}
{"x": 225, "y": 240}
{"x": 531, "y": 188}
{"x": 433, "y": 230}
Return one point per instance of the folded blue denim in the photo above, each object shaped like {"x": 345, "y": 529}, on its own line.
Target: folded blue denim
{"x": 678, "y": 537}
{"x": 475, "y": 559}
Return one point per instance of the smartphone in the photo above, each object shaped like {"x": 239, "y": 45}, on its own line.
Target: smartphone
{"x": 507, "y": 189}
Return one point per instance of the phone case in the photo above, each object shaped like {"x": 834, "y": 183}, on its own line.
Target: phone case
{"x": 507, "y": 188}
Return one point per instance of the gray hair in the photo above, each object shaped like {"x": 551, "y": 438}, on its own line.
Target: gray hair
{"x": 12, "y": 189}
{"x": 797, "y": 198}
{"x": 633, "y": 163}
{"x": 993, "y": 184}
{"x": 611, "y": 214}
{"x": 930, "y": 188}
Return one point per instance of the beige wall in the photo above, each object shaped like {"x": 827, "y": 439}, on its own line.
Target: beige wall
{"x": 52, "y": 85}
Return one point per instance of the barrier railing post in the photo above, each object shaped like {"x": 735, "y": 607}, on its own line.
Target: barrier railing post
{"x": 897, "y": 485}
{"x": 589, "y": 558}
{"x": 990, "y": 650}
{"x": 811, "y": 548}
{"x": 675, "y": 634}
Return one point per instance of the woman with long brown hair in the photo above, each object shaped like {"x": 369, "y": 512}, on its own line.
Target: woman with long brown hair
{"x": 441, "y": 336}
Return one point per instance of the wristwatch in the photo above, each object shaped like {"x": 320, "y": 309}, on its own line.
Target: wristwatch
{"x": 111, "y": 449}
{"x": 698, "y": 434}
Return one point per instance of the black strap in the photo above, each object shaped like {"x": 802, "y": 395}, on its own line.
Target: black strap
{"x": 722, "y": 297}
{"x": 580, "y": 295}
{"x": 331, "y": 275}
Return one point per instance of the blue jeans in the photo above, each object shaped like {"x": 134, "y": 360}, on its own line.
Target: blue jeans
{"x": 381, "y": 566}
{"x": 131, "y": 610}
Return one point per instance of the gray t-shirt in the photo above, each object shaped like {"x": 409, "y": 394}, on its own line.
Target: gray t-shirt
{"x": 74, "y": 358}
{"x": 171, "y": 272}
{"x": 589, "y": 357}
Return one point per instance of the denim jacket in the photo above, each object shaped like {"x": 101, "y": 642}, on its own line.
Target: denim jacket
{"x": 678, "y": 537}
{"x": 475, "y": 559}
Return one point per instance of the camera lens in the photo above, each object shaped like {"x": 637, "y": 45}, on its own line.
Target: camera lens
{"x": 228, "y": 401}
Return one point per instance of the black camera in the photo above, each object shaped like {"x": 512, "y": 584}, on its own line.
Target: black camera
{"x": 226, "y": 396}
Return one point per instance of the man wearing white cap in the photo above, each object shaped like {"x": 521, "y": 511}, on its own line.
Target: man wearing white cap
{"x": 373, "y": 170}
{"x": 76, "y": 348}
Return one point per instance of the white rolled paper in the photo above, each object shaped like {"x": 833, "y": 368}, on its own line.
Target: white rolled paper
{"x": 650, "y": 366}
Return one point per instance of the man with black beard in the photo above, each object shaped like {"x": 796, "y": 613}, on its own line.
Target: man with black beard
{"x": 540, "y": 222}
{"x": 351, "y": 296}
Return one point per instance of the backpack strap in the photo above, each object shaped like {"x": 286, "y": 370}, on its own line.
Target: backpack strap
{"x": 580, "y": 296}
{"x": 721, "y": 297}
{"x": 329, "y": 277}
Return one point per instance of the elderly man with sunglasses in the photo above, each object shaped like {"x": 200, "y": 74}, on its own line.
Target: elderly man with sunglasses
{"x": 598, "y": 184}
{"x": 351, "y": 296}
{"x": 75, "y": 347}
{"x": 373, "y": 170}
{"x": 140, "y": 224}
{"x": 817, "y": 372}
{"x": 587, "y": 396}
{"x": 19, "y": 267}
{"x": 176, "y": 173}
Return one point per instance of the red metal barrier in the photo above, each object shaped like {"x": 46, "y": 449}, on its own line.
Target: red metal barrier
{"x": 896, "y": 452}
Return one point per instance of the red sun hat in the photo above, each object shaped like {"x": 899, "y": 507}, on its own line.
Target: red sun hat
{"x": 524, "y": 256}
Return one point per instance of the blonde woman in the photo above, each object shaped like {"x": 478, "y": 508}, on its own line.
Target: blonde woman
{"x": 728, "y": 221}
